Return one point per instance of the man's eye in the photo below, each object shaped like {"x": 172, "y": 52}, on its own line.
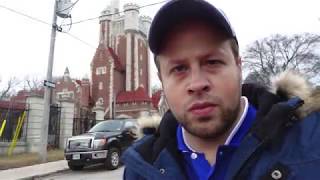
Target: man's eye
{"x": 213, "y": 62}
{"x": 179, "y": 68}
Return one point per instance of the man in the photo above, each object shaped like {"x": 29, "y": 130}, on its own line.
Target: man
{"x": 217, "y": 128}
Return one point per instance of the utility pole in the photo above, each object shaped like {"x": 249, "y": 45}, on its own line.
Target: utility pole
{"x": 47, "y": 91}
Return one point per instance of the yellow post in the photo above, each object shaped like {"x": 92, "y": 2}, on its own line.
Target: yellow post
{"x": 2, "y": 127}
{"x": 16, "y": 135}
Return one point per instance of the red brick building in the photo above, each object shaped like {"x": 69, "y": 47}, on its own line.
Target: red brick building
{"x": 77, "y": 91}
{"x": 120, "y": 68}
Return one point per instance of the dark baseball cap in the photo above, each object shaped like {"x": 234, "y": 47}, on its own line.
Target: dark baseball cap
{"x": 178, "y": 11}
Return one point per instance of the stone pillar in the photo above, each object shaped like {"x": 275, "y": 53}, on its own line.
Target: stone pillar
{"x": 66, "y": 121}
{"x": 35, "y": 118}
{"x": 99, "y": 110}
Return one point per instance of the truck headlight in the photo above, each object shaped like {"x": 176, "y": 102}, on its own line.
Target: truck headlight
{"x": 99, "y": 143}
{"x": 66, "y": 147}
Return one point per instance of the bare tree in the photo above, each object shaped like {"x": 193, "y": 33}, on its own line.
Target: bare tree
{"x": 8, "y": 90}
{"x": 32, "y": 83}
{"x": 254, "y": 77}
{"x": 277, "y": 53}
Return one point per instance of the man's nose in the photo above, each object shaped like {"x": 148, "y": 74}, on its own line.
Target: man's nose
{"x": 198, "y": 83}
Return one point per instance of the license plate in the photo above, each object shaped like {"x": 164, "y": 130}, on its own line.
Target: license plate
{"x": 76, "y": 156}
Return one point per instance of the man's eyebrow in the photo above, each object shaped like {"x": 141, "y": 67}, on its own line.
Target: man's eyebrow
{"x": 206, "y": 56}
{"x": 211, "y": 54}
{"x": 175, "y": 61}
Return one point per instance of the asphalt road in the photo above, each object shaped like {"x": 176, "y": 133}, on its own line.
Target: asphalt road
{"x": 90, "y": 173}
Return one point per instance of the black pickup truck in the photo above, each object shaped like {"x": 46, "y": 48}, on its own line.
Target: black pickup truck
{"x": 103, "y": 143}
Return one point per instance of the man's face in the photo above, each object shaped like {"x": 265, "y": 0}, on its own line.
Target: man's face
{"x": 201, "y": 79}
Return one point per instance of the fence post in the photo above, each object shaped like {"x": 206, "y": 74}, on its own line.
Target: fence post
{"x": 34, "y": 122}
{"x": 66, "y": 122}
{"x": 99, "y": 110}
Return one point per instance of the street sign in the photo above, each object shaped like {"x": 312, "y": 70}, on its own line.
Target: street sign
{"x": 49, "y": 84}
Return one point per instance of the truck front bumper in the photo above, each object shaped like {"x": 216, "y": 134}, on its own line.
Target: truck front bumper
{"x": 89, "y": 157}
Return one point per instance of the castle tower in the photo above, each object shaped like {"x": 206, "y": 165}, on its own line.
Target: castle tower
{"x": 105, "y": 23}
{"x": 131, "y": 25}
{"x": 107, "y": 15}
{"x": 114, "y": 5}
{"x": 144, "y": 24}
{"x": 121, "y": 62}
{"x": 66, "y": 75}
{"x": 131, "y": 15}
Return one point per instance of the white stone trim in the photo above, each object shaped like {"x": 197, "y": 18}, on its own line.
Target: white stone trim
{"x": 128, "y": 110}
{"x": 110, "y": 33}
{"x": 128, "y": 63}
{"x": 117, "y": 44}
{"x": 100, "y": 85}
{"x": 136, "y": 63}
{"x": 112, "y": 41}
{"x": 111, "y": 88}
{"x": 102, "y": 35}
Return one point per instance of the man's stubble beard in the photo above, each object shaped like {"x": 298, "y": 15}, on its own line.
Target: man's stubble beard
{"x": 226, "y": 116}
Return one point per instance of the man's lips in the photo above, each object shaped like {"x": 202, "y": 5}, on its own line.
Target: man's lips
{"x": 202, "y": 108}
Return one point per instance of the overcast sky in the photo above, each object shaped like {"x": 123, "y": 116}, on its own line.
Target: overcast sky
{"x": 24, "y": 43}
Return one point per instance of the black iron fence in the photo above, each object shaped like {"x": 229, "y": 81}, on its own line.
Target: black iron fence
{"x": 54, "y": 126}
{"x": 13, "y": 123}
{"x": 82, "y": 125}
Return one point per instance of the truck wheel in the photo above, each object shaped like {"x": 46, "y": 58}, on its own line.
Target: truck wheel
{"x": 113, "y": 159}
{"x": 75, "y": 167}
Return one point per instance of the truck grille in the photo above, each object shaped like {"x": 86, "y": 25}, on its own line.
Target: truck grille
{"x": 79, "y": 144}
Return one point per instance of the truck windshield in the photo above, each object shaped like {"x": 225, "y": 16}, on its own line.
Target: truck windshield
{"x": 111, "y": 125}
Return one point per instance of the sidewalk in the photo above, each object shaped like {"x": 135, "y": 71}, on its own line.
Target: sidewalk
{"x": 29, "y": 172}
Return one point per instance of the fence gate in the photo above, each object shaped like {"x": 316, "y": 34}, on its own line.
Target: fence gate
{"x": 13, "y": 118}
{"x": 54, "y": 126}
{"x": 82, "y": 125}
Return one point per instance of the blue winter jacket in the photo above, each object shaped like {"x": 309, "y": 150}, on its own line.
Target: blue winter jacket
{"x": 278, "y": 146}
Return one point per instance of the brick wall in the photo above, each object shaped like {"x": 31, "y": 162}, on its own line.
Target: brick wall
{"x": 143, "y": 64}
{"x": 101, "y": 60}
{"x": 85, "y": 93}
{"x": 121, "y": 50}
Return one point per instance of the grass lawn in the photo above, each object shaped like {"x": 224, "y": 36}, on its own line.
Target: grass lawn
{"x": 27, "y": 159}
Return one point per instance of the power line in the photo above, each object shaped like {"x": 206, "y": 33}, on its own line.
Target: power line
{"x": 43, "y": 22}
{"x": 25, "y": 15}
{"x": 90, "y": 19}
{"x": 84, "y": 42}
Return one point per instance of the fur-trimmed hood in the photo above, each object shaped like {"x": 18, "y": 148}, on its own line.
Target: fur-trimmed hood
{"x": 287, "y": 84}
{"x": 147, "y": 122}
{"x": 291, "y": 84}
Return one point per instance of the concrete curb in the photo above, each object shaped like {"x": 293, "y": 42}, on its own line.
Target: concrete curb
{"x": 39, "y": 176}
{"x": 35, "y": 171}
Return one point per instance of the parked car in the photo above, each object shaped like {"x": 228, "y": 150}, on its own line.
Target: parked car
{"x": 103, "y": 143}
